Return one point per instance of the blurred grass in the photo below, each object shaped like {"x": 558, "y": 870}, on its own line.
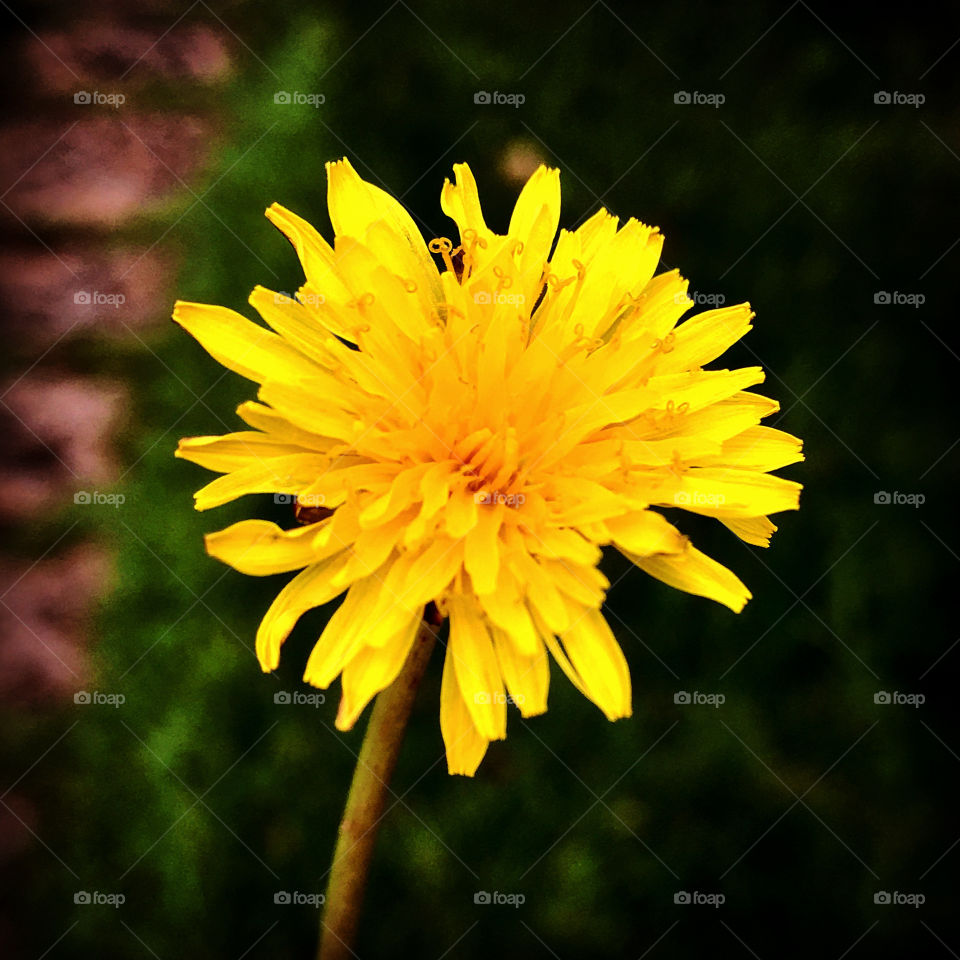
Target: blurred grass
{"x": 200, "y": 798}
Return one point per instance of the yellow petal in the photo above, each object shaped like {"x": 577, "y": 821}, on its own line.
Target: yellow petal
{"x": 462, "y": 202}
{"x": 759, "y": 448}
{"x": 695, "y": 572}
{"x": 527, "y": 677}
{"x": 754, "y": 530}
{"x": 269, "y": 421}
{"x": 240, "y": 345}
{"x": 308, "y": 589}
{"x": 478, "y": 673}
{"x": 355, "y": 205}
{"x": 316, "y": 255}
{"x": 704, "y": 337}
{"x": 482, "y": 548}
{"x": 598, "y": 659}
{"x": 234, "y": 450}
{"x": 362, "y": 619}
{"x": 259, "y": 548}
{"x": 540, "y": 195}
{"x": 645, "y": 532}
{"x": 288, "y": 474}
{"x": 464, "y": 744}
{"x": 718, "y": 492}
{"x": 506, "y": 609}
{"x": 373, "y": 669}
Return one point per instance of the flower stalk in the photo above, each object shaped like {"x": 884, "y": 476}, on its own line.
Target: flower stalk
{"x": 366, "y": 801}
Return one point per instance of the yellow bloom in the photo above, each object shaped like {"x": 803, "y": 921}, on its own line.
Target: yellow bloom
{"x": 478, "y": 421}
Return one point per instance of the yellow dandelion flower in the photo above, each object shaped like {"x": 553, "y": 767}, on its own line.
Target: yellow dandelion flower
{"x": 476, "y": 421}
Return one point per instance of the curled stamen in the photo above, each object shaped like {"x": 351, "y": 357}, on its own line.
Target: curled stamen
{"x": 517, "y": 249}
{"x": 367, "y": 299}
{"x": 443, "y": 246}
{"x": 580, "y": 268}
{"x": 683, "y": 408}
{"x": 410, "y": 285}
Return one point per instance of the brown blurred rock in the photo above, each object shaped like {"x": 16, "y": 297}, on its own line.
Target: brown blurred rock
{"x": 99, "y": 54}
{"x": 110, "y": 166}
{"x": 44, "y": 618}
{"x": 55, "y": 438}
{"x": 48, "y": 296}
{"x": 519, "y": 161}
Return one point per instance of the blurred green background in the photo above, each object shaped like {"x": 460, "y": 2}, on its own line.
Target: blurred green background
{"x": 800, "y": 797}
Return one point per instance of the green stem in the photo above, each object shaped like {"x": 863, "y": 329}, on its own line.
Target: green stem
{"x": 366, "y": 801}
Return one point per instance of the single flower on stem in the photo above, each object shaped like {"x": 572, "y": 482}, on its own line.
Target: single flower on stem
{"x": 467, "y": 424}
